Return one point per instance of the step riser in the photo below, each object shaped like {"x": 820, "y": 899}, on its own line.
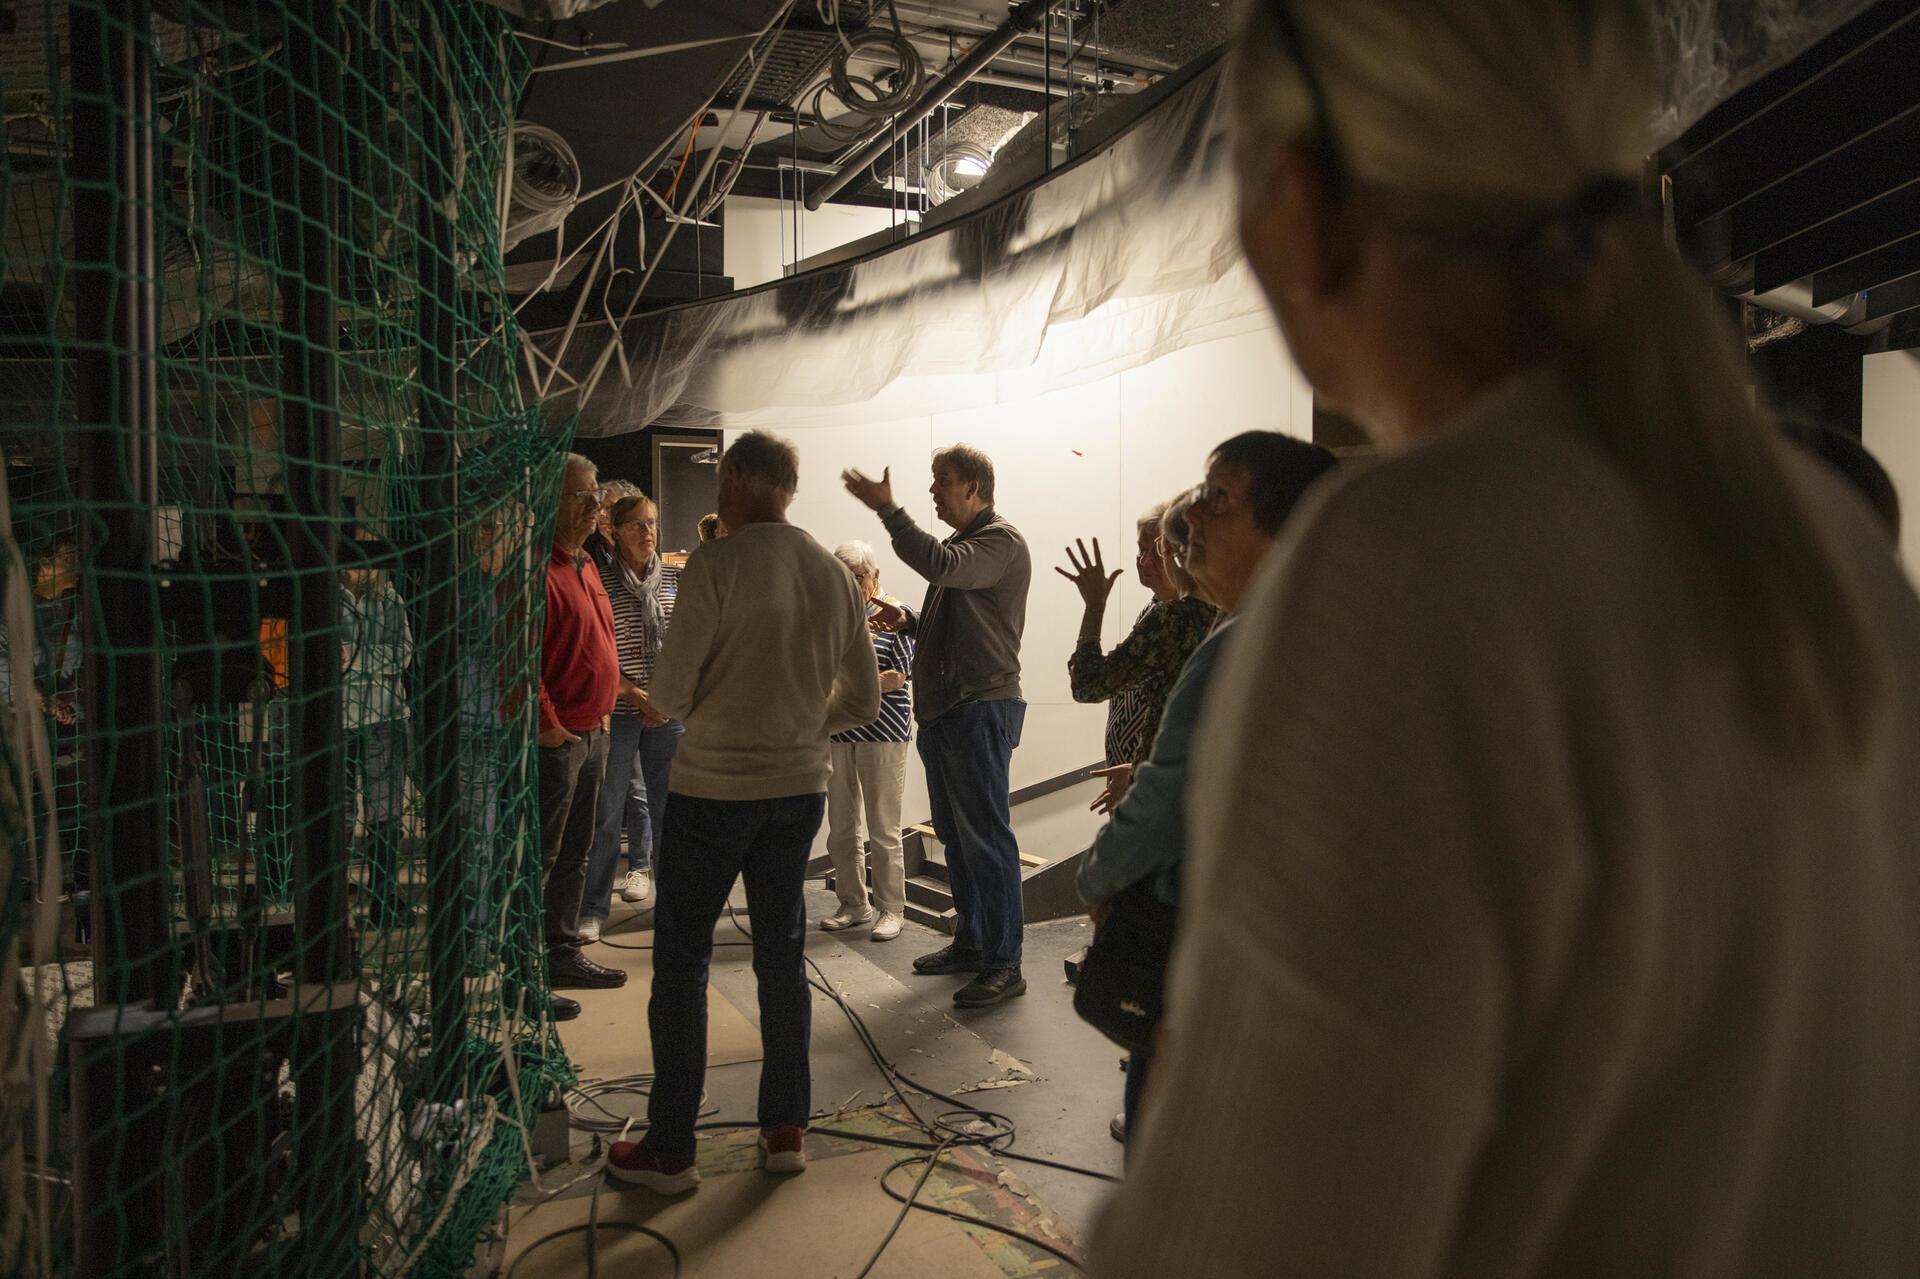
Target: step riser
{"x": 939, "y": 921}
{"x": 933, "y": 896}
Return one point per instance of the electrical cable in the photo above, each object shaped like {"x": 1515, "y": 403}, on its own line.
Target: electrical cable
{"x": 906, "y": 1205}
{"x": 966, "y": 1125}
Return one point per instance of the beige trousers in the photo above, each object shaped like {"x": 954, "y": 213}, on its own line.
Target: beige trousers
{"x": 863, "y": 811}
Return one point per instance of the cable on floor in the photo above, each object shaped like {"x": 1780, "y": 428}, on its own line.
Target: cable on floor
{"x": 961, "y": 1127}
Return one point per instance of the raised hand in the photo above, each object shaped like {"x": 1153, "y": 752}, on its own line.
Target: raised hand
{"x": 876, "y": 494}
{"x": 1090, "y": 576}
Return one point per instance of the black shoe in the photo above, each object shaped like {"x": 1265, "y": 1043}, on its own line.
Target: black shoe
{"x": 580, "y": 973}
{"x": 948, "y": 959}
{"x": 992, "y": 986}
{"x": 562, "y": 1009}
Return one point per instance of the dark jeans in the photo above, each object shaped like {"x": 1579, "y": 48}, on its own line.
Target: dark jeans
{"x": 1136, "y": 1088}
{"x": 569, "y": 800}
{"x": 710, "y": 843}
{"x": 966, "y": 753}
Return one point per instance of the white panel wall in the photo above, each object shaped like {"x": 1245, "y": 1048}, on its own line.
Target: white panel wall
{"x": 1080, "y": 462}
{"x": 1890, "y": 428}
{"x": 1174, "y": 410}
{"x": 763, "y": 237}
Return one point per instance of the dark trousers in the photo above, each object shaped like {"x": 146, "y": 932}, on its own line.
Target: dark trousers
{"x": 967, "y": 752}
{"x": 1136, "y": 1089}
{"x": 709, "y": 843}
{"x": 569, "y": 800}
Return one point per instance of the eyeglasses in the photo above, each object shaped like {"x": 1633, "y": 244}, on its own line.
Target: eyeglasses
{"x": 643, "y": 523}
{"x": 586, "y": 497}
{"x": 1326, "y": 141}
{"x": 1210, "y": 499}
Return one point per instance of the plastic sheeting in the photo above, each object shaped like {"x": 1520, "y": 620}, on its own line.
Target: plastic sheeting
{"x": 1124, "y": 255}
{"x": 1110, "y": 262}
{"x": 1715, "y": 48}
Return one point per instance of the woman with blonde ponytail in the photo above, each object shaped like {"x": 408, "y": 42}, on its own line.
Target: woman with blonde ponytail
{"x": 1557, "y": 811}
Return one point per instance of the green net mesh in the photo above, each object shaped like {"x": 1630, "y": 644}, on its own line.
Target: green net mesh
{"x": 271, "y": 990}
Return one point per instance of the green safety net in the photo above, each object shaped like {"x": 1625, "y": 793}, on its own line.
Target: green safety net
{"x": 275, "y": 1005}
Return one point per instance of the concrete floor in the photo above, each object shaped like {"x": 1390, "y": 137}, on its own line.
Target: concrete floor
{"x": 1062, "y": 1114}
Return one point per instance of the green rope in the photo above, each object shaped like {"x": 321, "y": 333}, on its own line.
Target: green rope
{"x": 211, "y": 1152}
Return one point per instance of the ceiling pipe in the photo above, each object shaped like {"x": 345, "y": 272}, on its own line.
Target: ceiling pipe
{"x": 972, "y": 24}
{"x": 1025, "y": 17}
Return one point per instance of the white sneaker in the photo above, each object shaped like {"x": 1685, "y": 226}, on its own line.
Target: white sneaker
{"x": 637, "y": 887}
{"x": 845, "y": 918}
{"x": 886, "y": 928}
{"x": 589, "y": 930}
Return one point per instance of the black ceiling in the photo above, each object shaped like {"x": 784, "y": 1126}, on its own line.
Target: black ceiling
{"x": 1811, "y": 175}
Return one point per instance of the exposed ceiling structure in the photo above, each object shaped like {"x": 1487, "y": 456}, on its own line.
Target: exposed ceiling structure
{"x": 770, "y": 98}
{"x": 1801, "y": 192}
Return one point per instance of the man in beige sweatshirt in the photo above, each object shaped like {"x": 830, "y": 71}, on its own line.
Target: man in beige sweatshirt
{"x": 768, "y": 655}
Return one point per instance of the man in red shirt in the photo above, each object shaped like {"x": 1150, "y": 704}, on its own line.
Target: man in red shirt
{"x": 579, "y": 678}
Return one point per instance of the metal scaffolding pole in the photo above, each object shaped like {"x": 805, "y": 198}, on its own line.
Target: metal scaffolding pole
{"x": 326, "y": 1060}
{"x": 116, "y": 394}
{"x": 447, "y": 878}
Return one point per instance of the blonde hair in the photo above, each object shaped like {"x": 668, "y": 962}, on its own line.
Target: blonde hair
{"x": 1481, "y": 118}
{"x": 1175, "y": 532}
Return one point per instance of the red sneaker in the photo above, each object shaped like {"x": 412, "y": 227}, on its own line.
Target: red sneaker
{"x": 642, "y": 1165}
{"x": 783, "y": 1148}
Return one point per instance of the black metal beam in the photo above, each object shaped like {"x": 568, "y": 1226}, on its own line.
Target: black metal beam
{"x": 439, "y": 300}
{"x": 1869, "y": 270}
{"x": 1861, "y": 170}
{"x": 1895, "y": 298}
{"x": 1870, "y": 227}
{"x": 325, "y": 1067}
{"x": 118, "y": 410}
{"x": 116, "y": 1210}
{"x": 1864, "y": 87}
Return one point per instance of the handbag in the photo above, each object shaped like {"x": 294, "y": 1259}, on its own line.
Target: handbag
{"x": 1122, "y": 987}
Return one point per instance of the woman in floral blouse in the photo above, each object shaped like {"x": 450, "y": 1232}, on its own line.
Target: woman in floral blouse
{"x": 1136, "y": 676}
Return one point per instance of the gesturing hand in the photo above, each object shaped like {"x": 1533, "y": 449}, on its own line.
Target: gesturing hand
{"x": 877, "y": 494}
{"x": 1090, "y": 576}
{"x": 1119, "y": 778}
{"x": 888, "y": 617}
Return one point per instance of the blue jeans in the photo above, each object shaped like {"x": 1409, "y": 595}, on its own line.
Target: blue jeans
{"x": 642, "y": 757}
{"x": 966, "y": 753}
{"x": 709, "y": 844}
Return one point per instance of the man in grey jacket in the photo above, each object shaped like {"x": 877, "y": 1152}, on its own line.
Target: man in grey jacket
{"x": 966, "y": 699}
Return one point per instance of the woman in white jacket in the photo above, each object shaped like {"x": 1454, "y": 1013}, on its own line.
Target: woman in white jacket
{"x": 1551, "y": 892}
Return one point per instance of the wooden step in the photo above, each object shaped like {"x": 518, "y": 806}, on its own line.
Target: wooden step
{"x": 929, "y": 892}
{"x": 938, "y": 920}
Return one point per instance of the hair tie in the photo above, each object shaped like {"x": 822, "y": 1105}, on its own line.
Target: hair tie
{"x": 1564, "y": 234}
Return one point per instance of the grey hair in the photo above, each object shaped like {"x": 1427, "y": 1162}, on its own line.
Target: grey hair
{"x": 1150, "y": 518}
{"x": 969, "y": 465}
{"x": 581, "y": 462}
{"x": 858, "y": 557}
{"x": 1176, "y": 533}
{"x": 763, "y": 460}
{"x": 1474, "y": 111}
